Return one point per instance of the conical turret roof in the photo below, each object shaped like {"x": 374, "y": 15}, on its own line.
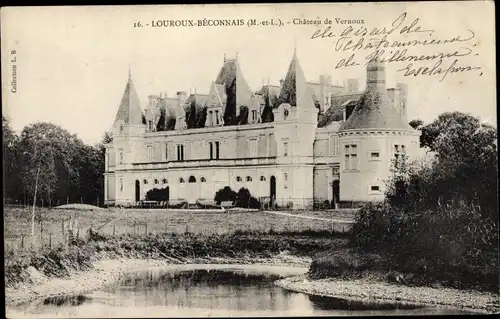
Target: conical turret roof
{"x": 373, "y": 110}
{"x": 130, "y": 111}
{"x": 295, "y": 90}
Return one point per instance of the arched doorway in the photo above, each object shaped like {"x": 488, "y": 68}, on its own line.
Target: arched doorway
{"x": 272, "y": 188}
{"x": 335, "y": 193}
{"x": 167, "y": 193}
{"x": 137, "y": 191}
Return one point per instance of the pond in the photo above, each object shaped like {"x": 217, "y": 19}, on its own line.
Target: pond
{"x": 205, "y": 291}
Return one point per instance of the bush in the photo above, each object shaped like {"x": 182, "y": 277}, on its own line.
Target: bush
{"x": 158, "y": 195}
{"x": 452, "y": 243}
{"x": 246, "y": 200}
{"x": 225, "y": 194}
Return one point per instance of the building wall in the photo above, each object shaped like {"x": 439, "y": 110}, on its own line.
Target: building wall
{"x": 356, "y": 184}
{"x": 307, "y": 173}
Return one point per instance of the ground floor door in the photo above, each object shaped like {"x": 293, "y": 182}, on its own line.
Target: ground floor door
{"x": 137, "y": 191}
{"x": 336, "y": 193}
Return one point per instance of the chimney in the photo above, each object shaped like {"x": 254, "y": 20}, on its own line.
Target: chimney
{"x": 352, "y": 85}
{"x": 325, "y": 84}
{"x": 375, "y": 76}
{"x": 152, "y": 99}
{"x": 181, "y": 98}
{"x": 403, "y": 96}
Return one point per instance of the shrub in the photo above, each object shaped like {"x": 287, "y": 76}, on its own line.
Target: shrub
{"x": 156, "y": 194}
{"x": 246, "y": 200}
{"x": 225, "y": 194}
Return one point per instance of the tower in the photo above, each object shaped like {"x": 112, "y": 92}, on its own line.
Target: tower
{"x": 127, "y": 146}
{"x": 370, "y": 139}
{"x": 295, "y": 122}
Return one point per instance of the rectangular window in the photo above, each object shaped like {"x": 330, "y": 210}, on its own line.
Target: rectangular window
{"x": 253, "y": 148}
{"x": 210, "y": 117}
{"x": 121, "y": 157}
{"x": 150, "y": 125}
{"x": 374, "y": 154}
{"x": 166, "y": 152}
{"x": 336, "y": 171}
{"x": 254, "y": 115}
{"x": 285, "y": 149}
{"x": 375, "y": 188}
{"x": 180, "y": 152}
{"x": 334, "y": 146}
{"x": 121, "y": 184}
{"x": 150, "y": 153}
{"x": 217, "y": 117}
{"x": 351, "y": 157}
{"x": 217, "y": 150}
{"x": 354, "y": 157}
{"x": 211, "y": 150}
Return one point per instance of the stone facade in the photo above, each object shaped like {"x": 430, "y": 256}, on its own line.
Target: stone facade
{"x": 270, "y": 142}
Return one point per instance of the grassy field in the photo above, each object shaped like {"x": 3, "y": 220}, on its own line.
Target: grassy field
{"x": 49, "y": 228}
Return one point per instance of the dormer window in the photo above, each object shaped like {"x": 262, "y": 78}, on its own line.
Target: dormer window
{"x": 121, "y": 128}
{"x": 254, "y": 116}
{"x": 150, "y": 125}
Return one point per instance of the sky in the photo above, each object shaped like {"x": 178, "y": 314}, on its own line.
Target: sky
{"x": 72, "y": 63}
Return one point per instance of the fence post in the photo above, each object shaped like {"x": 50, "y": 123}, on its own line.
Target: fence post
{"x": 134, "y": 227}
{"x": 114, "y": 230}
{"x": 50, "y": 240}
{"x": 146, "y": 228}
{"x": 22, "y": 241}
{"x": 41, "y": 233}
{"x": 62, "y": 230}
{"x": 77, "y": 233}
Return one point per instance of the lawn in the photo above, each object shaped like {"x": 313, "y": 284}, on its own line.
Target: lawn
{"x": 17, "y": 223}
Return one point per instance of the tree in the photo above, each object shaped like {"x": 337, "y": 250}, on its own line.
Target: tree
{"x": 416, "y": 124}
{"x": 57, "y": 152}
{"x": 11, "y": 174}
{"x": 465, "y": 166}
{"x": 225, "y": 194}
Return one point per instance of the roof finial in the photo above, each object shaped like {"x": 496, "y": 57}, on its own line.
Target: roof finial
{"x": 129, "y": 72}
{"x": 224, "y": 57}
{"x": 295, "y": 47}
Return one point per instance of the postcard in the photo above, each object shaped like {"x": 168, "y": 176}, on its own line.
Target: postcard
{"x": 305, "y": 159}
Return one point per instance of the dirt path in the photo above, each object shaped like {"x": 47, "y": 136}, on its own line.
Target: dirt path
{"x": 335, "y": 220}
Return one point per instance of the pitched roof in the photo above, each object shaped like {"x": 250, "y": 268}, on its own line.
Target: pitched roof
{"x": 235, "y": 86}
{"x": 373, "y": 110}
{"x": 129, "y": 110}
{"x": 295, "y": 90}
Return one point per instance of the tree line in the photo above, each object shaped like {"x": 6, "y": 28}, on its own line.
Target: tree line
{"x": 61, "y": 167}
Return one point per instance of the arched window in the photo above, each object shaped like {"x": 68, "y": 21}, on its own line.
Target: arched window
{"x": 249, "y": 179}
{"x": 238, "y": 179}
{"x": 285, "y": 113}
{"x": 164, "y": 181}
{"x": 192, "y": 179}
{"x": 156, "y": 181}
{"x": 181, "y": 180}
{"x": 121, "y": 184}
{"x": 121, "y": 128}
{"x": 145, "y": 181}
{"x": 121, "y": 157}
{"x": 262, "y": 178}
{"x": 203, "y": 180}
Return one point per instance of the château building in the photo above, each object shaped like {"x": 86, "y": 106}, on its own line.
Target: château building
{"x": 295, "y": 143}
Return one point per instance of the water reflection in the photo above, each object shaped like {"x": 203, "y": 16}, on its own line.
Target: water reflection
{"x": 205, "y": 292}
